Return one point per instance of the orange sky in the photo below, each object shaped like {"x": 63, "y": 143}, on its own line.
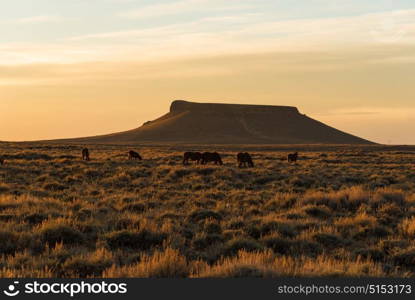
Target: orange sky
{"x": 350, "y": 68}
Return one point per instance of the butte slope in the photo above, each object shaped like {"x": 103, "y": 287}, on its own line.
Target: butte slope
{"x": 211, "y": 123}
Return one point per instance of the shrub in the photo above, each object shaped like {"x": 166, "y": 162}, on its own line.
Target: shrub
{"x": 391, "y": 210}
{"x": 388, "y": 195}
{"x": 235, "y": 245}
{"x": 356, "y": 196}
{"x": 122, "y": 223}
{"x": 54, "y": 186}
{"x": 5, "y": 206}
{"x": 253, "y": 212}
{"x": 350, "y": 198}
{"x": 319, "y": 199}
{"x": 199, "y": 215}
{"x": 167, "y": 264}
{"x": 136, "y": 207}
{"x": 206, "y": 241}
{"x": 317, "y": 212}
{"x": 292, "y": 247}
{"x": 369, "y": 253}
{"x": 278, "y": 245}
{"x": 206, "y": 171}
{"x": 35, "y": 218}
{"x": 169, "y": 215}
{"x": 31, "y": 156}
{"x": 87, "y": 265}
{"x": 236, "y": 225}
{"x": 389, "y": 246}
{"x": 187, "y": 233}
{"x": 81, "y": 267}
{"x": 6, "y": 217}
{"x": 243, "y": 265}
{"x": 372, "y": 232}
{"x": 213, "y": 228}
{"x": 92, "y": 174}
{"x": 59, "y": 233}
{"x": 4, "y": 188}
{"x": 405, "y": 258}
{"x": 408, "y": 227}
{"x": 253, "y": 231}
{"x": 328, "y": 240}
{"x": 180, "y": 173}
{"x": 303, "y": 181}
{"x": 281, "y": 201}
{"x": 8, "y": 242}
{"x": 241, "y": 271}
{"x": 84, "y": 214}
{"x": 306, "y": 248}
{"x": 263, "y": 180}
{"x": 278, "y": 227}
{"x": 142, "y": 240}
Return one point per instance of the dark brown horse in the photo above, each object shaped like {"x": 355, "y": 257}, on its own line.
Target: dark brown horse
{"x": 211, "y": 157}
{"x": 134, "y": 155}
{"x": 292, "y": 157}
{"x": 1, "y": 161}
{"x": 85, "y": 154}
{"x": 193, "y": 156}
{"x": 245, "y": 160}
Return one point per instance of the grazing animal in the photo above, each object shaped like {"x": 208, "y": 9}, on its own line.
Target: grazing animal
{"x": 193, "y": 156}
{"x": 292, "y": 157}
{"x": 245, "y": 160}
{"x": 1, "y": 161}
{"x": 85, "y": 154}
{"x": 211, "y": 157}
{"x": 134, "y": 155}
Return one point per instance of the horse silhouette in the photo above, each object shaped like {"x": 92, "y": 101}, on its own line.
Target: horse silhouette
{"x": 244, "y": 160}
{"x": 211, "y": 157}
{"x": 292, "y": 157}
{"x": 134, "y": 155}
{"x": 85, "y": 154}
{"x": 193, "y": 156}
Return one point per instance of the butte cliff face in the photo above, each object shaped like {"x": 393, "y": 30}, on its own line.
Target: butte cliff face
{"x": 210, "y": 123}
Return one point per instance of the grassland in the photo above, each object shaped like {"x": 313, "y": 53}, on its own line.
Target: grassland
{"x": 339, "y": 211}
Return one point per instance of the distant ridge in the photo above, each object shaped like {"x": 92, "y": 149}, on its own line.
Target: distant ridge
{"x": 212, "y": 123}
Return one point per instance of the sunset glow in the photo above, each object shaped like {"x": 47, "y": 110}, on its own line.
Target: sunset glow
{"x": 80, "y": 68}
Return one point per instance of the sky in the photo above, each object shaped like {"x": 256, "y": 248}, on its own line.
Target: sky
{"x": 72, "y": 68}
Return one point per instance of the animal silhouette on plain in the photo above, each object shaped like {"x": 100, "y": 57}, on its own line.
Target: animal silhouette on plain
{"x": 193, "y": 156}
{"x": 293, "y": 157}
{"x": 132, "y": 155}
{"x": 245, "y": 160}
{"x": 85, "y": 154}
{"x": 211, "y": 157}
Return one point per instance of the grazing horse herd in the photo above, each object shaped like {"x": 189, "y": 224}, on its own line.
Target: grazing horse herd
{"x": 244, "y": 159}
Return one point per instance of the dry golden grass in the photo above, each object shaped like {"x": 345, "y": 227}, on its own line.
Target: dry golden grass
{"x": 267, "y": 264}
{"x": 167, "y": 264}
{"x": 338, "y": 212}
